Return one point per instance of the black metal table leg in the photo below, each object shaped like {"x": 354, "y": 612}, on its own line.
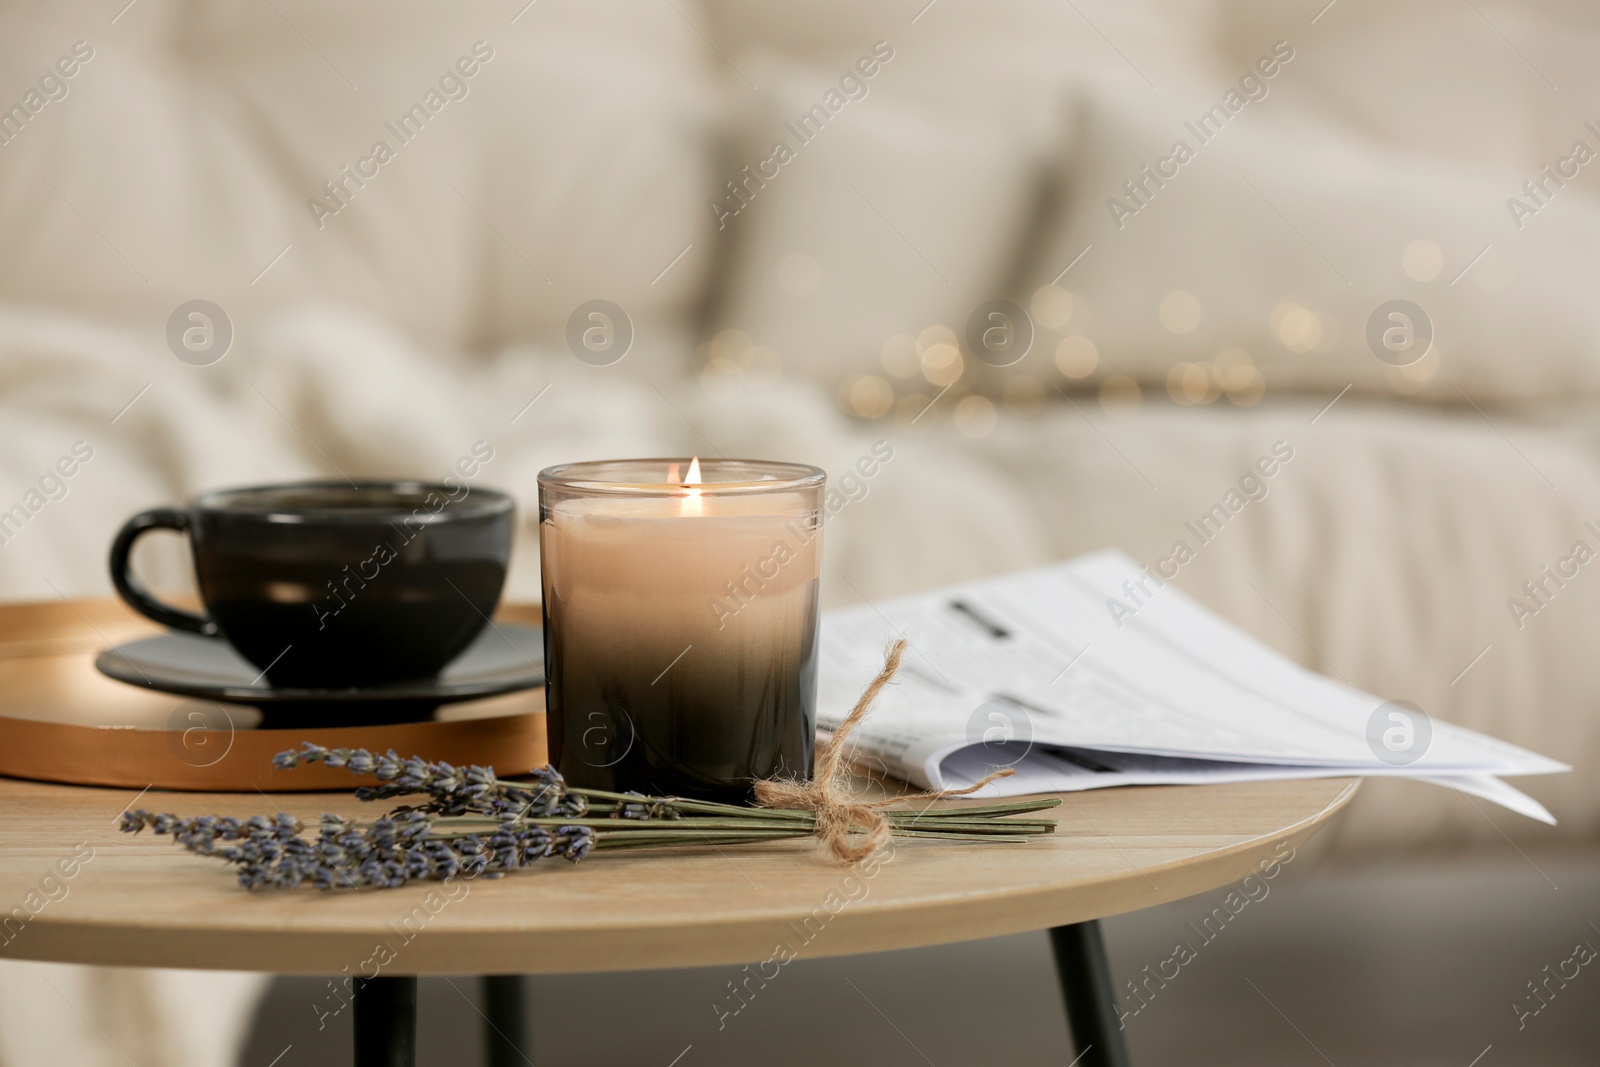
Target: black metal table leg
{"x": 386, "y": 1022}
{"x": 1091, "y": 999}
{"x": 505, "y": 1030}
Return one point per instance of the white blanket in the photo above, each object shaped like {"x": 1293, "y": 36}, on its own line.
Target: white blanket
{"x": 328, "y": 394}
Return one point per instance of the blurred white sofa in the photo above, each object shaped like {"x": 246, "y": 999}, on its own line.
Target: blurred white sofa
{"x": 388, "y": 309}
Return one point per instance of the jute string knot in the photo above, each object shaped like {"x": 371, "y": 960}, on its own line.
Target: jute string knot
{"x": 852, "y": 828}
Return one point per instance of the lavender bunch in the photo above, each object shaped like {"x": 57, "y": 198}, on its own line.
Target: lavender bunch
{"x": 471, "y": 823}
{"x": 385, "y": 854}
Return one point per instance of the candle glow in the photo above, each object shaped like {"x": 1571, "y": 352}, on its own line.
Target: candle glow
{"x": 692, "y": 503}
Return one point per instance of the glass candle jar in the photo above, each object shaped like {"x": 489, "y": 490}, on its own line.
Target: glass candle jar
{"x": 680, "y": 623}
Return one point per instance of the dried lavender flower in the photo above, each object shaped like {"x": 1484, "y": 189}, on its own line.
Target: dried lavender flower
{"x": 646, "y": 807}
{"x": 452, "y": 790}
{"x": 274, "y": 853}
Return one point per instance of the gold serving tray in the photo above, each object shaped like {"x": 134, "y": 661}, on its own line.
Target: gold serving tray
{"x": 63, "y": 721}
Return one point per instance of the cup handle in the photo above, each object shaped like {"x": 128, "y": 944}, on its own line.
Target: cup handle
{"x": 133, "y": 591}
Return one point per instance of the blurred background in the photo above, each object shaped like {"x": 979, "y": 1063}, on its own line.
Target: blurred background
{"x": 254, "y": 241}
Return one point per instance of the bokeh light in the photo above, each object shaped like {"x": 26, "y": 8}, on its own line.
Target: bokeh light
{"x": 1179, "y": 311}
{"x": 1422, "y": 260}
{"x": 942, "y": 364}
{"x": 976, "y": 416}
{"x": 1051, "y": 306}
{"x": 869, "y": 396}
{"x": 1076, "y": 356}
{"x": 1295, "y": 327}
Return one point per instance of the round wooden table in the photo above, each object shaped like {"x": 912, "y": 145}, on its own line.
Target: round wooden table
{"x": 141, "y": 901}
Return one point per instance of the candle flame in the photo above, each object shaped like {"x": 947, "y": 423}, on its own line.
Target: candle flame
{"x": 692, "y": 504}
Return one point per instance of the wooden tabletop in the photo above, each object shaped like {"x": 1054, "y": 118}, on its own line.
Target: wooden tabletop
{"x": 143, "y": 901}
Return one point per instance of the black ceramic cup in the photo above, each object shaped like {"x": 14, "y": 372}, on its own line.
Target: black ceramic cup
{"x": 336, "y": 585}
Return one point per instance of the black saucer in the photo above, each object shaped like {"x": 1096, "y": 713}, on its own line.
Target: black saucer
{"x": 505, "y": 658}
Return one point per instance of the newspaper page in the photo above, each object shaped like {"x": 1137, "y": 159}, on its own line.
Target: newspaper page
{"x": 1089, "y": 673}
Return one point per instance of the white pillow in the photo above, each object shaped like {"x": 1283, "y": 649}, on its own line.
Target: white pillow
{"x": 896, "y": 214}
{"x": 188, "y": 149}
{"x": 1275, "y": 245}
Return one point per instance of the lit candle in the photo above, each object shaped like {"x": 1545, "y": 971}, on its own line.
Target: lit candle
{"x": 681, "y": 623}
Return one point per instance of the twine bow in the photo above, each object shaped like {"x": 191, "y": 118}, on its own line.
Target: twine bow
{"x": 850, "y": 827}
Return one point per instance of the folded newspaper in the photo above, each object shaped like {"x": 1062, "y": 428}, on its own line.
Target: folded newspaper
{"x": 1085, "y": 674}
